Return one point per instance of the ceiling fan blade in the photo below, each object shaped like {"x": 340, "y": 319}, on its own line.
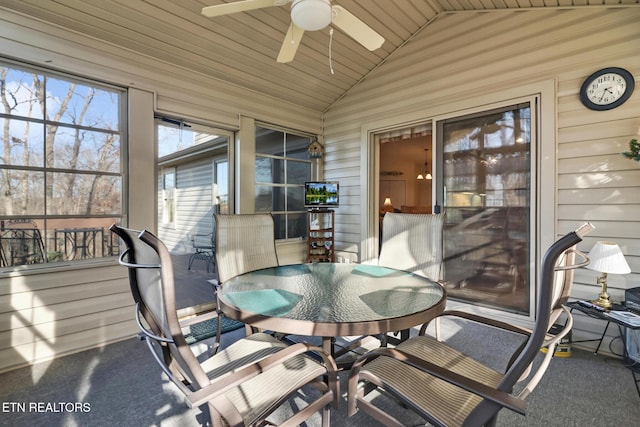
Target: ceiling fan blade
{"x": 290, "y": 43}
{"x": 239, "y": 6}
{"x": 356, "y": 29}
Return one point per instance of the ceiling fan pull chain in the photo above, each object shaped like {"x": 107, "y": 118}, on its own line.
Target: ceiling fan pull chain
{"x": 330, "y": 49}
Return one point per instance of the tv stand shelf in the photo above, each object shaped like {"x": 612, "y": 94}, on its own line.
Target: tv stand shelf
{"x": 320, "y": 241}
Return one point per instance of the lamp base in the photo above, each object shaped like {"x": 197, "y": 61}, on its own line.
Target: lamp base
{"x": 603, "y": 297}
{"x": 603, "y": 301}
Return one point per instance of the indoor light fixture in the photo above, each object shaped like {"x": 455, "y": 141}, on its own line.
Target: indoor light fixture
{"x": 606, "y": 257}
{"x": 387, "y": 206}
{"x": 427, "y": 174}
{"x": 311, "y": 15}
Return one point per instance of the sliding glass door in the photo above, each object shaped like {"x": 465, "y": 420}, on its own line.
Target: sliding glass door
{"x": 486, "y": 193}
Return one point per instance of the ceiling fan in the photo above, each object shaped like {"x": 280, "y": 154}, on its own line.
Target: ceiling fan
{"x": 306, "y": 15}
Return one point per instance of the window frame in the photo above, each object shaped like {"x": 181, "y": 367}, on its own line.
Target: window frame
{"x": 169, "y": 197}
{"x": 530, "y": 203}
{"x": 108, "y": 249}
{"x": 285, "y": 186}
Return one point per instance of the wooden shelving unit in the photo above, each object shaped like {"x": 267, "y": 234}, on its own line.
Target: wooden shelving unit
{"x": 320, "y": 242}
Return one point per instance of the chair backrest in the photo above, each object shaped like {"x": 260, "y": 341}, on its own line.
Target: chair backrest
{"x": 136, "y": 253}
{"x": 152, "y": 286}
{"x": 203, "y": 241}
{"x": 244, "y": 243}
{"x": 553, "y": 282}
{"x": 413, "y": 242}
{"x": 556, "y": 276}
{"x": 562, "y": 282}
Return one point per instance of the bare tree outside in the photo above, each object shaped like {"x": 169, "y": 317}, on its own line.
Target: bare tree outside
{"x": 60, "y": 168}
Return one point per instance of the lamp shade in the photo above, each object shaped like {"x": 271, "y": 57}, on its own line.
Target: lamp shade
{"x": 311, "y": 15}
{"x": 606, "y": 257}
{"x": 387, "y": 206}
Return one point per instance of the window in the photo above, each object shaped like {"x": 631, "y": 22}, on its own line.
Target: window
{"x": 60, "y": 168}
{"x": 282, "y": 167}
{"x": 168, "y": 197}
{"x": 221, "y": 186}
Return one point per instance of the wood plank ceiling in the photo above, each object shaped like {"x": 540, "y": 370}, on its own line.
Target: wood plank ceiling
{"x": 242, "y": 48}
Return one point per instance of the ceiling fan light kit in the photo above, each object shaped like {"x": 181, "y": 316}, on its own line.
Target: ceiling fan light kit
{"x": 311, "y": 15}
{"x": 306, "y": 15}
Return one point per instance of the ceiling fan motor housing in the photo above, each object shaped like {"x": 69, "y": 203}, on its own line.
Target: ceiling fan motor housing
{"x": 311, "y": 15}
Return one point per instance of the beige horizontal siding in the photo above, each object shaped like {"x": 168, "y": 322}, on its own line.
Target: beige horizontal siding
{"x": 48, "y": 314}
{"x": 291, "y": 252}
{"x": 464, "y": 56}
{"x": 194, "y": 206}
{"x": 43, "y": 350}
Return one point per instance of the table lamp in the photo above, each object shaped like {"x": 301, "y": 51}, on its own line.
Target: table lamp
{"x": 606, "y": 257}
{"x": 387, "y": 206}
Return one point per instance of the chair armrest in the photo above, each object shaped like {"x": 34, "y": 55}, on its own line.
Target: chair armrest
{"x": 554, "y": 339}
{"x": 500, "y": 397}
{"x": 202, "y": 241}
{"x": 550, "y": 343}
{"x": 479, "y": 319}
{"x": 219, "y": 387}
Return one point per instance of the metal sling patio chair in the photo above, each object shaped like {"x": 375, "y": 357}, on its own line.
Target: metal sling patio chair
{"x": 445, "y": 386}
{"x": 20, "y": 243}
{"x": 412, "y": 242}
{"x": 204, "y": 247}
{"x": 242, "y": 384}
{"x": 201, "y": 324}
{"x": 244, "y": 243}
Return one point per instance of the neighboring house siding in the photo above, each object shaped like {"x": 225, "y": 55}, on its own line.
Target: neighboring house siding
{"x": 63, "y": 311}
{"x": 194, "y": 206}
{"x": 466, "y": 55}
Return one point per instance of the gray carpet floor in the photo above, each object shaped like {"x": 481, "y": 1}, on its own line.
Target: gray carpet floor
{"x": 121, "y": 385}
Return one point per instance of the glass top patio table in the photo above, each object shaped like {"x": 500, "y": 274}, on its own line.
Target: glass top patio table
{"x": 331, "y": 300}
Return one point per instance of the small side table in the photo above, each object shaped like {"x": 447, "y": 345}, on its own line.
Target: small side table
{"x": 601, "y": 314}
{"x": 635, "y": 371}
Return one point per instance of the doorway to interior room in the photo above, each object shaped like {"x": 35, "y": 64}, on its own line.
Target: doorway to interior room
{"x": 481, "y": 172}
{"x": 405, "y": 181}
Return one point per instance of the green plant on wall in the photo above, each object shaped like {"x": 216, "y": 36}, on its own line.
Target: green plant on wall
{"x": 634, "y": 150}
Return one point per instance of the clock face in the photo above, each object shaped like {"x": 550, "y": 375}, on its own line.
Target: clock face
{"x": 607, "y": 88}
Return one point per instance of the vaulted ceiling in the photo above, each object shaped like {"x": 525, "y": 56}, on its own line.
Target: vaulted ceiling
{"x": 242, "y": 48}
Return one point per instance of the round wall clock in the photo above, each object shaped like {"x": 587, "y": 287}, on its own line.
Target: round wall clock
{"x": 607, "y": 88}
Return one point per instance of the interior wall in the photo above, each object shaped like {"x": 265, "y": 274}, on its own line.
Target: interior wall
{"x": 401, "y": 162}
{"x": 470, "y": 55}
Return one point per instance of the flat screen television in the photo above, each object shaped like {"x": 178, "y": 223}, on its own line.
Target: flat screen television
{"x": 321, "y": 194}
